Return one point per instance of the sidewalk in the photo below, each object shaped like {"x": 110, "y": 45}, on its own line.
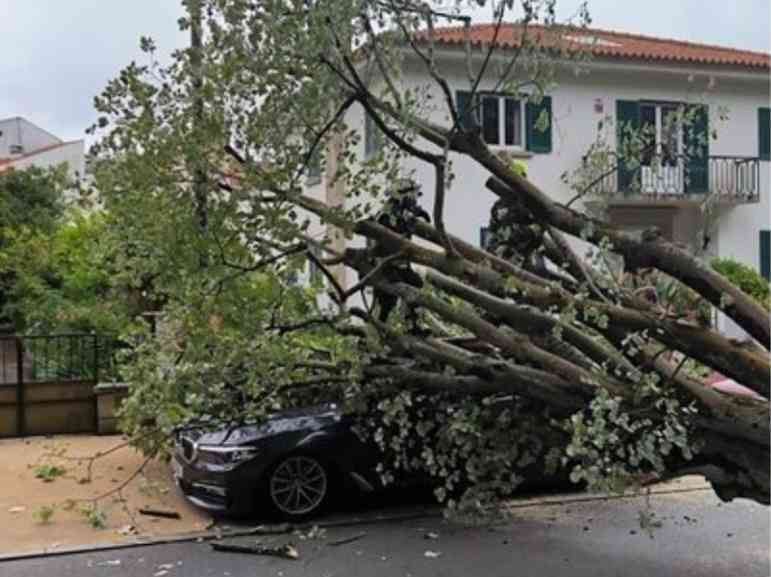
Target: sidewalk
{"x": 23, "y": 496}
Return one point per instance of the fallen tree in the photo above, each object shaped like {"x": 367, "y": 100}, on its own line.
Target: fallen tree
{"x": 512, "y": 363}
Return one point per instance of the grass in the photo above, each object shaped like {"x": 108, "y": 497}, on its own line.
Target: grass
{"x": 49, "y": 473}
{"x": 44, "y": 514}
{"x": 95, "y": 517}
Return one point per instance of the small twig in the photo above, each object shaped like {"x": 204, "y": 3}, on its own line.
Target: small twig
{"x": 604, "y": 175}
{"x": 381, "y": 63}
{"x": 677, "y": 369}
{"x": 327, "y": 127}
{"x": 160, "y": 513}
{"x": 658, "y": 354}
{"x": 92, "y": 458}
{"x": 347, "y": 540}
{"x": 467, "y": 43}
{"x": 120, "y": 487}
{"x": 431, "y": 64}
{"x": 577, "y": 263}
{"x": 129, "y": 513}
{"x": 490, "y": 50}
{"x": 340, "y": 296}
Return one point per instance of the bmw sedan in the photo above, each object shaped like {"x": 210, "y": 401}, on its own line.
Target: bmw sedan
{"x": 290, "y": 467}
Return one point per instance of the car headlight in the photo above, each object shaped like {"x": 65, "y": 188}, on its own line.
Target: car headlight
{"x": 225, "y": 457}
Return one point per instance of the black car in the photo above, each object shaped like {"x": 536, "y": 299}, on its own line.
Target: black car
{"x": 290, "y": 466}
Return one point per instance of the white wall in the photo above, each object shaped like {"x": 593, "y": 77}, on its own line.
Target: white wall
{"x": 18, "y": 131}
{"x": 71, "y": 153}
{"x": 739, "y": 225}
{"x": 574, "y": 128}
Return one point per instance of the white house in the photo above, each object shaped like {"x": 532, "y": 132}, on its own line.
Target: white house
{"x": 23, "y": 144}
{"x": 629, "y": 78}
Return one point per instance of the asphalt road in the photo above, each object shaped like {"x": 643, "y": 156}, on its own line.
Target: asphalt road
{"x": 697, "y": 536}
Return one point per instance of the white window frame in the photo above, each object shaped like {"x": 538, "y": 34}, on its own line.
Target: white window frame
{"x": 502, "y": 98}
{"x": 659, "y": 135}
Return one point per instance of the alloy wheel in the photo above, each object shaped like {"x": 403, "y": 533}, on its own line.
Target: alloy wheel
{"x": 298, "y": 485}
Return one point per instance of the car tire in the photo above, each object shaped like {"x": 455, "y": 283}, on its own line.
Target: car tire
{"x": 298, "y": 487}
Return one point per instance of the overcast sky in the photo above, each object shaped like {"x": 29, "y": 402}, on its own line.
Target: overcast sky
{"x": 56, "y": 55}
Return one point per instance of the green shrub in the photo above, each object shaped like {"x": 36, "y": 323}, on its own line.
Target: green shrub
{"x": 745, "y": 278}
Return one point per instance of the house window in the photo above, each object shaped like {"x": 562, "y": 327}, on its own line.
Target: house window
{"x": 765, "y": 254}
{"x": 659, "y": 126}
{"x": 764, "y": 133}
{"x": 485, "y": 237}
{"x": 373, "y": 137}
{"x": 502, "y": 120}
{"x": 313, "y": 170}
{"x": 513, "y": 122}
{"x": 314, "y": 272}
{"x": 491, "y": 119}
{"x": 507, "y": 121}
{"x": 675, "y": 158}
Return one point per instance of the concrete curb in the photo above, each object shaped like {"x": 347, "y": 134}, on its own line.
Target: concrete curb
{"x": 429, "y": 512}
{"x": 216, "y": 535}
{"x": 587, "y": 497}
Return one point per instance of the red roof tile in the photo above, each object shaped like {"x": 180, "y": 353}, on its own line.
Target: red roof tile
{"x": 604, "y": 43}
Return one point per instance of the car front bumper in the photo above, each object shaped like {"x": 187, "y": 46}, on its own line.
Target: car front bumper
{"x": 206, "y": 489}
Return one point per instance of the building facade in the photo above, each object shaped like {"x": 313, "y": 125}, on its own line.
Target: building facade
{"x": 705, "y": 185}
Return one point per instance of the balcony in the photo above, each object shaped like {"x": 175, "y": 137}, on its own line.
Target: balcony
{"x": 682, "y": 181}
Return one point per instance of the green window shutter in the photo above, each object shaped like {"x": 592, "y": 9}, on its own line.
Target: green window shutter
{"x": 765, "y": 254}
{"x": 491, "y": 121}
{"x": 468, "y": 116}
{"x": 764, "y": 133}
{"x": 537, "y": 138}
{"x": 696, "y": 140}
{"x": 627, "y": 124}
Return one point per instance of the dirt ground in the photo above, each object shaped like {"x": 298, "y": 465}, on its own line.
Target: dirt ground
{"x": 24, "y": 498}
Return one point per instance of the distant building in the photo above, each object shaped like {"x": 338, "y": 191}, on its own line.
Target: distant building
{"x": 23, "y": 144}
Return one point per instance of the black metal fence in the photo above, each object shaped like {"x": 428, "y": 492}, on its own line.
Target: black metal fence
{"x": 47, "y": 382}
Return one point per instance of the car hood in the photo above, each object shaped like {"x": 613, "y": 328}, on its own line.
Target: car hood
{"x": 307, "y": 418}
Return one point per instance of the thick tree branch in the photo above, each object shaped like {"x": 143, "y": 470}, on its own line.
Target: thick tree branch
{"x": 518, "y": 316}
{"x": 659, "y": 254}
{"x": 750, "y": 368}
